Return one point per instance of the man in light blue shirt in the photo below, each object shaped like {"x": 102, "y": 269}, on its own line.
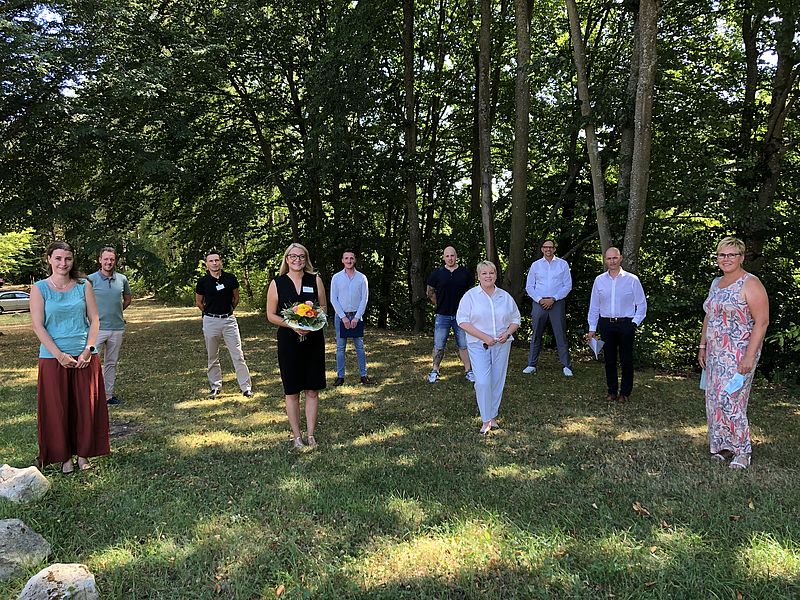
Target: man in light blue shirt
{"x": 549, "y": 282}
{"x": 113, "y": 294}
{"x": 349, "y": 295}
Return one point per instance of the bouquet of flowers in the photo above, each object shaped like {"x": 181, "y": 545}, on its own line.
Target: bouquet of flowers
{"x": 304, "y": 317}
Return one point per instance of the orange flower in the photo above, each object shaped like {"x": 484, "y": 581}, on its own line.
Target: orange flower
{"x": 311, "y": 313}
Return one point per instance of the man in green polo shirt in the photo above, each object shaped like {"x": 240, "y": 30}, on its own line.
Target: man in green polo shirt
{"x": 113, "y": 295}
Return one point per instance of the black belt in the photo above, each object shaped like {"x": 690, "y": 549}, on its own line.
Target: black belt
{"x": 617, "y": 319}
{"x": 216, "y": 316}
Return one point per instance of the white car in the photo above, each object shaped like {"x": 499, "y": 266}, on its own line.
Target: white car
{"x": 14, "y": 301}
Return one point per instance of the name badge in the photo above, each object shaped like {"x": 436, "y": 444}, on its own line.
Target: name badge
{"x": 308, "y": 288}
{"x": 220, "y": 287}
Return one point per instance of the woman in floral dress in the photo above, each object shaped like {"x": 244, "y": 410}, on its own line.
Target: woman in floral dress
{"x": 737, "y": 315}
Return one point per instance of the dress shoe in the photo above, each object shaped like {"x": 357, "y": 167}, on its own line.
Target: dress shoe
{"x": 339, "y": 381}
{"x": 366, "y": 380}
{"x": 623, "y": 399}
{"x": 611, "y": 398}
{"x": 247, "y": 393}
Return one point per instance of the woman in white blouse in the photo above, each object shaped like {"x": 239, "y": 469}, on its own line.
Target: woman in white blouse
{"x": 489, "y": 316}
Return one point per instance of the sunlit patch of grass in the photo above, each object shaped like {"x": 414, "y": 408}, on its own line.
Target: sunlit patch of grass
{"x": 694, "y": 431}
{"x": 296, "y": 486}
{"x": 19, "y": 419}
{"x": 356, "y": 406}
{"x": 640, "y": 435}
{"x": 378, "y": 437}
{"x": 442, "y": 556}
{"x": 590, "y": 426}
{"x": 766, "y": 557}
{"x": 115, "y": 556}
{"x": 408, "y": 512}
{"x": 207, "y": 439}
{"x": 17, "y": 377}
{"x": 518, "y": 472}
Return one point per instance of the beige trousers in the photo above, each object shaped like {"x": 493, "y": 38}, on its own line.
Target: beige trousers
{"x": 226, "y": 330}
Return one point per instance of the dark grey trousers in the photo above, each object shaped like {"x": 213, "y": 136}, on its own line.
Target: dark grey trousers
{"x": 556, "y": 316}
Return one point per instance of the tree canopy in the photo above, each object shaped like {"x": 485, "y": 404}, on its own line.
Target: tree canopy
{"x": 168, "y": 128}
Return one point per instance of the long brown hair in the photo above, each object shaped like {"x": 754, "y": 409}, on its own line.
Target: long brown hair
{"x": 74, "y": 272}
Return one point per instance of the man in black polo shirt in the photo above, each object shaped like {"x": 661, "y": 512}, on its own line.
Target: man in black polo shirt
{"x": 216, "y": 295}
{"x": 446, "y": 286}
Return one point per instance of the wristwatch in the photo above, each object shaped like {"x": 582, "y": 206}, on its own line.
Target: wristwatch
{"x": 91, "y": 349}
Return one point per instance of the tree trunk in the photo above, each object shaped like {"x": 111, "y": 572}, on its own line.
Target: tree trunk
{"x": 767, "y": 170}
{"x": 432, "y": 130}
{"x": 389, "y": 262}
{"x": 475, "y": 173}
{"x": 592, "y": 148}
{"x": 416, "y": 280}
{"x": 514, "y": 279}
{"x": 642, "y": 141}
{"x": 626, "y": 124}
{"x": 484, "y": 133}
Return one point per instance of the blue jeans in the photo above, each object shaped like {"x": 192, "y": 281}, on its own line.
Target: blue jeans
{"x": 341, "y": 345}
{"x": 441, "y": 331}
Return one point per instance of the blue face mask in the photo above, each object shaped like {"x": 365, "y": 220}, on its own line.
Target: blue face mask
{"x": 736, "y": 382}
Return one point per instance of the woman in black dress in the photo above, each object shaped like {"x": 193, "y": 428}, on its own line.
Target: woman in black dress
{"x": 301, "y": 355}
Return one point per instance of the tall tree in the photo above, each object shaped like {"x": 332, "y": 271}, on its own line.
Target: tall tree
{"x": 592, "y": 147}
{"x": 642, "y": 139}
{"x": 762, "y": 180}
{"x": 484, "y": 131}
{"x": 513, "y": 280}
{"x": 410, "y": 133}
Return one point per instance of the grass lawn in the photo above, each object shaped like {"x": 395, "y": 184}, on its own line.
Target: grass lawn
{"x": 572, "y": 498}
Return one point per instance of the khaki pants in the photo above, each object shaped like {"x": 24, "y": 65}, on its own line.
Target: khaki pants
{"x": 110, "y": 342}
{"x": 226, "y": 330}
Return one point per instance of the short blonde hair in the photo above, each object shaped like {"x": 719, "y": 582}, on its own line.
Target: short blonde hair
{"x": 484, "y": 264}
{"x": 731, "y": 241}
{"x": 309, "y": 268}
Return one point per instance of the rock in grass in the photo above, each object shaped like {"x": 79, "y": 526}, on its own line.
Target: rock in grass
{"x": 20, "y": 548}
{"x": 22, "y": 485}
{"x": 73, "y": 581}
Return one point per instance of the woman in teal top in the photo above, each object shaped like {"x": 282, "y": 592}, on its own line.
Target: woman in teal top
{"x": 72, "y": 415}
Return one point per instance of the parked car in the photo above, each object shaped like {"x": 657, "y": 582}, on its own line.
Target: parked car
{"x": 14, "y": 301}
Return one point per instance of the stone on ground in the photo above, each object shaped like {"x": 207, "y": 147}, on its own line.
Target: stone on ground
{"x": 62, "y": 581}
{"x": 20, "y": 548}
{"x": 22, "y": 485}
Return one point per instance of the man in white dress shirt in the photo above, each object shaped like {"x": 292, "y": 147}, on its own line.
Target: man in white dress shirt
{"x": 549, "y": 282}
{"x": 349, "y": 296}
{"x": 617, "y": 307}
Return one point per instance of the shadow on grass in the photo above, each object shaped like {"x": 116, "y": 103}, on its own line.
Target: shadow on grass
{"x": 403, "y": 498}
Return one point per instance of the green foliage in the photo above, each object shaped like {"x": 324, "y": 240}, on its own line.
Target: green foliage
{"x": 169, "y": 129}
{"x": 18, "y": 257}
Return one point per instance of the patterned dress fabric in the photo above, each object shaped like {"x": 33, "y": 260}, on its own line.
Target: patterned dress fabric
{"x": 730, "y": 324}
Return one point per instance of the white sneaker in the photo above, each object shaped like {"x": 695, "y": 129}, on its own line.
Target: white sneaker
{"x": 433, "y": 376}
{"x": 567, "y": 372}
{"x": 470, "y": 376}
{"x": 529, "y": 370}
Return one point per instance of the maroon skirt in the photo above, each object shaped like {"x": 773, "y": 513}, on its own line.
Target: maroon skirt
{"x": 72, "y": 412}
